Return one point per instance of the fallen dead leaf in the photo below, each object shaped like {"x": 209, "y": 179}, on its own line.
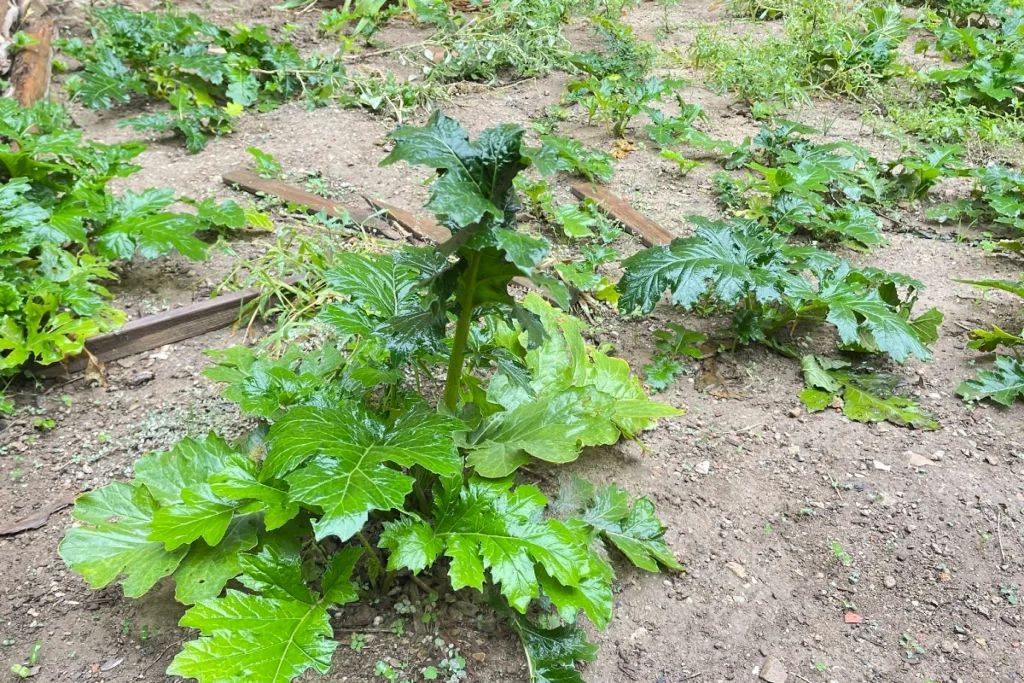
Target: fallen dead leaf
{"x": 622, "y": 147}
{"x": 94, "y": 370}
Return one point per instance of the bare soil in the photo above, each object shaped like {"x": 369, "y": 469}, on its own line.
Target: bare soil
{"x": 754, "y": 491}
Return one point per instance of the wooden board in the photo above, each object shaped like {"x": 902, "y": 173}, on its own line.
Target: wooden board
{"x": 649, "y": 232}
{"x": 30, "y": 69}
{"x": 154, "y": 331}
{"x": 251, "y": 182}
{"x": 423, "y": 228}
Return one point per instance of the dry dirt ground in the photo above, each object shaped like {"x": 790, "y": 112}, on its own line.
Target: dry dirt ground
{"x": 754, "y": 493}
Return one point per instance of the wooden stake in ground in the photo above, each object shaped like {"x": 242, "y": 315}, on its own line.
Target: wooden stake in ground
{"x": 30, "y": 69}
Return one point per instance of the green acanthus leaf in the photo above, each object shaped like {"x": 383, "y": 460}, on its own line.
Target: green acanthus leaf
{"x": 115, "y": 542}
{"x": 633, "y": 529}
{"x": 484, "y": 526}
{"x": 206, "y": 569}
{"x": 337, "y": 460}
{"x": 580, "y": 397}
{"x": 551, "y": 654}
{"x": 178, "y": 479}
{"x": 474, "y": 181}
{"x": 866, "y": 396}
{"x": 271, "y": 637}
{"x": 1003, "y": 385}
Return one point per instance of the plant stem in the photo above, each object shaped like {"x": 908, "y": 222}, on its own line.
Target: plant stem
{"x": 373, "y": 553}
{"x": 453, "y": 381}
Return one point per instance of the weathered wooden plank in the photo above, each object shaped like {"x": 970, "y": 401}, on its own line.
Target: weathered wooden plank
{"x": 423, "y": 228}
{"x": 252, "y": 182}
{"x": 154, "y": 331}
{"x": 649, "y": 232}
{"x": 30, "y": 68}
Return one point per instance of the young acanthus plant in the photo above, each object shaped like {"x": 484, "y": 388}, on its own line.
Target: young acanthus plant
{"x": 263, "y": 537}
{"x": 771, "y": 286}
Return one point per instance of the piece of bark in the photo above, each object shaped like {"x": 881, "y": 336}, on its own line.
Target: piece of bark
{"x": 649, "y": 232}
{"x": 37, "y": 518}
{"x": 31, "y": 66}
{"x": 252, "y": 182}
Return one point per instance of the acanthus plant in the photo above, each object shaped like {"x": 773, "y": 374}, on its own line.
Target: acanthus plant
{"x": 831, "y": 190}
{"x": 1005, "y": 383}
{"x": 62, "y": 234}
{"x": 997, "y": 201}
{"x": 347, "y": 450}
{"x": 771, "y": 287}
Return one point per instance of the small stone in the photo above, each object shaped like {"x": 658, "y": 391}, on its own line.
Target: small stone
{"x": 991, "y": 460}
{"x": 138, "y": 379}
{"x": 734, "y": 440}
{"x": 983, "y": 611}
{"x": 773, "y": 671}
{"x": 918, "y": 460}
{"x": 479, "y": 657}
{"x": 882, "y": 466}
{"x": 719, "y": 645}
{"x": 638, "y": 635}
{"x": 795, "y": 412}
{"x": 703, "y": 467}
{"x": 737, "y": 569}
{"x": 889, "y": 582}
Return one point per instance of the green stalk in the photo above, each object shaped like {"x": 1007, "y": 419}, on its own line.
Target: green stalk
{"x": 453, "y": 381}
{"x": 373, "y": 557}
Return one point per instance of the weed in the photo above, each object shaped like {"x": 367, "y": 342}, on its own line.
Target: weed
{"x": 615, "y": 99}
{"x": 841, "y": 555}
{"x": 1009, "y": 591}
{"x": 266, "y": 165}
{"x": 911, "y": 648}
{"x": 826, "y": 46}
{"x": 358, "y": 642}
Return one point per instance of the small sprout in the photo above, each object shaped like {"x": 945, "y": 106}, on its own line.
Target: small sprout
{"x": 430, "y": 673}
{"x": 358, "y": 642}
{"x": 1009, "y": 591}
{"x": 842, "y": 555}
{"x": 910, "y": 646}
{"x": 21, "y": 671}
{"x": 43, "y": 424}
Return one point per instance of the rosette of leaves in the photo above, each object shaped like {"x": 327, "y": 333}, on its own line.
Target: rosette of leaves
{"x": 990, "y": 74}
{"x": 832, "y": 190}
{"x": 997, "y": 200}
{"x": 1005, "y": 383}
{"x": 206, "y": 73}
{"x": 60, "y": 231}
{"x": 263, "y": 536}
{"x": 771, "y": 285}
